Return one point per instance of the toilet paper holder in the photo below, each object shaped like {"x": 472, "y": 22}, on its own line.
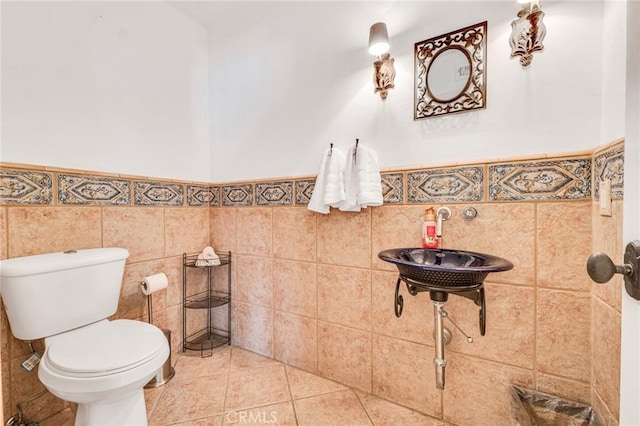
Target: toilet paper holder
{"x": 166, "y": 372}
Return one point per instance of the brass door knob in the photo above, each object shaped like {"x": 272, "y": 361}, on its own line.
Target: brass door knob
{"x": 601, "y": 268}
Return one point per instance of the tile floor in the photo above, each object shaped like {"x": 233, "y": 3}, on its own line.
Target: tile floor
{"x": 235, "y": 386}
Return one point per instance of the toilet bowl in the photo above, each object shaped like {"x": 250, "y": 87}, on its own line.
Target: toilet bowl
{"x": 103, "y": 367}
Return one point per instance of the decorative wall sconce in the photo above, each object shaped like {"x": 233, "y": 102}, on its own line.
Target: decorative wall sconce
{"x": 384, "y": 73}
{"x": 527, "y": 32}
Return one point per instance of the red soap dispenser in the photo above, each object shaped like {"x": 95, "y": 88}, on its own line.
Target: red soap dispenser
{"x": 429, "y": 238}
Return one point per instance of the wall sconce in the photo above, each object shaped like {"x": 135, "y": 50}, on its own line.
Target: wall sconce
{"x": 527, "y": 32}
{"x": 383, "y": 71}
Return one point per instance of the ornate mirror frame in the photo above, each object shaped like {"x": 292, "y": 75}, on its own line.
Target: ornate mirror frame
{"x": 472, "y": 41}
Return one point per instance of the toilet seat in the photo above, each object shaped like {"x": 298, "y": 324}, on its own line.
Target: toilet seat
{"x": 103, "y": 348}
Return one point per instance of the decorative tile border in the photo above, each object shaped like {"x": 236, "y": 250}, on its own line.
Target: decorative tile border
{"x": 544, "y": 180}
{"x": 199, "y": 195}
{"x": 25, "y": 187}
{"x": 158, "y": 194}
{"x": 452, "y": 185}
{"x": 393, "y": 188}
{"x": 609, "y": 165}
{"x": 237, "y": 195}
{"x": 215, "y": 191}
{"x": 551, "y": 179}
{"x": 304, "y": 189}
{"x": 274, "y": 193}
{"x": 92, "y": 190}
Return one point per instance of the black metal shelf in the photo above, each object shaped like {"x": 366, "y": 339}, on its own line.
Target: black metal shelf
{"x": 206, "y": 300}
{"x": 206, "y": 341}
{"x": 210, "y": 336}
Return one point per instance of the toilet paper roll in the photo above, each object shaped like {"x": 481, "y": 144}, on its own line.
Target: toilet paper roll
{"x": 154, "y": 283}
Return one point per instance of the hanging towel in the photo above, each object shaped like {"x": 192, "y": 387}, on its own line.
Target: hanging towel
{"x": 369, "y": 179}
{"x": 363, "y": 186}
{"x": 329, "y": 188}
{"x": 351, "y": 188}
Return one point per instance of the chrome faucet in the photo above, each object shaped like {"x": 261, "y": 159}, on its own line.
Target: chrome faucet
{"x": 443, "y": 213}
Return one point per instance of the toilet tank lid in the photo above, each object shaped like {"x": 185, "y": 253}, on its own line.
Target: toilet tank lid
{"x": 51, "y": 262}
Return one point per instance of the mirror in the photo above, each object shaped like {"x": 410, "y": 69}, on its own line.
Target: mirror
{"x": 450, "y": 72}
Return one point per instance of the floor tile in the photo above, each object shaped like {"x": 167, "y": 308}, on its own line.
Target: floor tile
{"x": 303, "y": 384}
{"x": 243, "y": 360}
{"x": 336, "y": 408}
{"x": 277, "y": 414}
{"x": 190, "y": 399}
{"x": 256, "y": 387}
{"x": 193, "y": 366}
{"x": 385, "y": 413}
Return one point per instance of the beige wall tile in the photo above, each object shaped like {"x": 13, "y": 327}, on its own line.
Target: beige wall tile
{"x": 344, "y": 355}
{"x": 607, "y": 238}
{"x": 254, "y": 280}
{"x": 295, "y": 340}
{"x": 606, "y": 355}
{"x": 564, "y": 244}
{"x": 254, "y": 328}
{"x": 403, "y": 372}
{"x": 506, "y": 230}
{"x": 344, "y": 296}
{"x": 564, "y": 388}
{"x": 564, "y": 334}
{"x": 37, "y": 230}
{"x": 173, "y": 270}
{"x": 294, "y": 234}
{"x": 139, "y": 229}
{"x": 416, "y": 321}
{"x": 254, "y": 231}
{"x": 133, "y": 303}
{"x": 478, "y": 392}
{"x": 186, "y": 230}
{"x": 344, "y": 238}
{"x": 294, "y": 287}
{"x": 510, "y": 331}
{"x": 223, "y": 229}
{"x": 3, "y": 233}
{"x": 393, "y": 227}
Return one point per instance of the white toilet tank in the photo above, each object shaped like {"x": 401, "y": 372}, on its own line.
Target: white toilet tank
{"x": 52, "y": 293}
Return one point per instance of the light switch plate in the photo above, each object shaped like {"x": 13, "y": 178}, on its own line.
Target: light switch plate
{"x": 605, "y": 197}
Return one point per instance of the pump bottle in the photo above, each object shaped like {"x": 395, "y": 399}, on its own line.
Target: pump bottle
{"x": 429, "y": 238}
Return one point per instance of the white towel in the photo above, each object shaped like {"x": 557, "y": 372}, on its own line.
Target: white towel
{"x": 351, "y": 187}
{"x": 369, "y": 179}
{"x": 329, "y": 188}
{"x": 363, "y": 183}
{"x": 208, "y": 257}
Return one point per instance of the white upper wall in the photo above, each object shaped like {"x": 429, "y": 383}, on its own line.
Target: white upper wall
{"x": 107, "y": 86}
{"x": 288, "y": 78}
{"x": 124, "y": 87}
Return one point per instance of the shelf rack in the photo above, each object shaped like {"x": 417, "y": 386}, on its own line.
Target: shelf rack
{"x": 212, "y": 335}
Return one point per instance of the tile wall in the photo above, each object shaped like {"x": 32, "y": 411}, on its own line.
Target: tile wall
{"x": 309, "y": 290}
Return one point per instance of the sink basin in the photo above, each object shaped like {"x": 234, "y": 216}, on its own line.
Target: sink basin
{"x": 444, "y": 268}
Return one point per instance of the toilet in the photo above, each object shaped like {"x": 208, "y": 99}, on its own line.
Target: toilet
{"x": 102, "y": 365}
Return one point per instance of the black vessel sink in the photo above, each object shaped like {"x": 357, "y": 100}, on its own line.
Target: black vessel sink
{"x": 444, "y": 268}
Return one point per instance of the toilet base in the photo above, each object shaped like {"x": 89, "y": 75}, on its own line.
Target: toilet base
{"x": 129, "y": 410}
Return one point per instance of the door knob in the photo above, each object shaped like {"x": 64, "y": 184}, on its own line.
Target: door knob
{"x": 601, "y": 268}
